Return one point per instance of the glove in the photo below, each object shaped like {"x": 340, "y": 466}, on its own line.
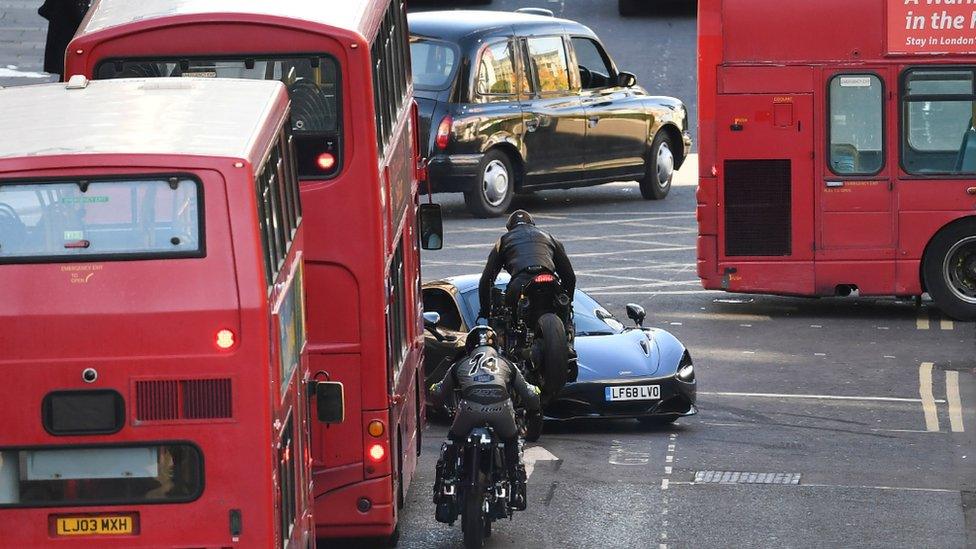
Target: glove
{"x": 433, "y": 387}
{"x": 535, "y": 389}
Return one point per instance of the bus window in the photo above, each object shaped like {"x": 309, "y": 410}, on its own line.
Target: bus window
{"x": 856, "y": 124}
{"x": 937, "y": 110}
{"x": 101, "y": 219}
{"x": 312, "y": 82}
{"x": 101, "y": 475}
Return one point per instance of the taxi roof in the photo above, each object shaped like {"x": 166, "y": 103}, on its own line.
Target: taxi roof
{"x": 347, "y": 14}
{"x": 164, "y": 116}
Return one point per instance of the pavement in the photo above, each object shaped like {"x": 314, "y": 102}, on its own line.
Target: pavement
{"x": 824, "y": 422}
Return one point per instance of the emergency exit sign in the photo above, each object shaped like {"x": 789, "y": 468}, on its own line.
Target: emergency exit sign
{"x": 931, "y": 26}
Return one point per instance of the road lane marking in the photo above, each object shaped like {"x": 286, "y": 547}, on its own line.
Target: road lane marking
{"x": 841, "y": 486}
{"x": 814, "y": 397}
{"x": 946, "y": 324}
{"x": 620, "y": 455}
{"x": 535, "y": 454}
{"x": 955, "y": 402}
{"x": 664, "y": 483}
{"x": 922, "y": 322}
{"x": 928, "y": 399}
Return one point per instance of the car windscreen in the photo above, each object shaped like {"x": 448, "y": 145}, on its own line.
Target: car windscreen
{"x": 589, "y": 317}
{"x": 83, "y": 220}
{"x": 433, "y": 63}
{"x": 313, "y": 87}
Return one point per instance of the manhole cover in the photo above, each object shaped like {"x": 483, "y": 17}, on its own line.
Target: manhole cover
{"x": 742, "y": 477}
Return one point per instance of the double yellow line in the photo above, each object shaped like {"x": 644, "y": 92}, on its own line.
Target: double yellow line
{"x": 925, "y": 383}
{"x": 924, "y": 321}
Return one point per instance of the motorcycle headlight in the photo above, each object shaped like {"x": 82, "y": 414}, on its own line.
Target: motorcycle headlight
{"x": 686, "y": 370}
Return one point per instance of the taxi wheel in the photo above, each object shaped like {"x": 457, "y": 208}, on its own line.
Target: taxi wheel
{"x": 658, "y": 169}
{"x": 493, "y": 187}
{"x": 949, "y": 270}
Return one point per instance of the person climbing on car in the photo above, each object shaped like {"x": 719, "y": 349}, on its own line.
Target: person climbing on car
{"x": 484, "y": 379}
{"x": 524, "y": 251}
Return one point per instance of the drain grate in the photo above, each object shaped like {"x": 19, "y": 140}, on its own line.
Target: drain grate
{"x": 741, "y": 477}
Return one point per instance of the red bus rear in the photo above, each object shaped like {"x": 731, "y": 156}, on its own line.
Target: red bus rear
{"x": 346, "y": 67}
{"x": 837, "y": 149}
{"x": 151, "y": 317}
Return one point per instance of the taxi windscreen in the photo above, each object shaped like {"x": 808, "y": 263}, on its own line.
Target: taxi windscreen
{"x": 83, "y": 220}
{"x": 313, "y": 87}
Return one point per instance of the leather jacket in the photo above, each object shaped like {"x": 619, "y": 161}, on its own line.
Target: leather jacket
{"x": 484, "y": 377}
{"x": 525, "y": 248}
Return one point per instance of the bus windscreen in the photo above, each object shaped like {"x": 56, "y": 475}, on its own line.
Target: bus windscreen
{"x": 83, "y": 220}
{"x": 313, "y": 87}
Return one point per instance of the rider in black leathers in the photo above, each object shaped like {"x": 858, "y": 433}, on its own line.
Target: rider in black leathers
{"x": 484, "y": 378}
{"x": 524, "y": 251}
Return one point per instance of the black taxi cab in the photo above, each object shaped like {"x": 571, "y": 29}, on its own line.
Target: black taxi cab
{"x": 517, "y": 102}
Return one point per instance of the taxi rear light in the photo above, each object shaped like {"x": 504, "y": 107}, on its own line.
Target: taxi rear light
{"x": 444, "y": 132}
{"x": 225, "y": 339}
{"x": 377, "y": 452}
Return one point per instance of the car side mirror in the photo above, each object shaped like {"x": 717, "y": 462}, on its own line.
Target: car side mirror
{"x": 330, "y": 401}
{"x": 431, "y": 227}
{"x": 626, "y": 79}
{"x": 431, "y": 319}
{"x": 636, "y": 313}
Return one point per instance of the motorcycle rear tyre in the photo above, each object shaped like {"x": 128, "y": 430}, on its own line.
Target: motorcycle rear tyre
{"x": 555, "y": 355}
{"x": 474, "y": 521}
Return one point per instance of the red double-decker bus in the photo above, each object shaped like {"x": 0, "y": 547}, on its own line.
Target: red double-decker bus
{"x": 346, "y": 67}
{"x": 152, "y": 317}
{"x": 837, "y": 149}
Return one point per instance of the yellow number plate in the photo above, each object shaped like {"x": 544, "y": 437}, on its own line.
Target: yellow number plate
{"x": 94, "y": 526}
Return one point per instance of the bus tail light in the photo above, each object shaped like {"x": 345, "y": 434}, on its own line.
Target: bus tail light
{"x": 444, "y": 132}
{"x": 225, "y": 339}
{"x": 376, "y": 428}
{"x": 377, "y": 453}
{"x": 326, "y": 161}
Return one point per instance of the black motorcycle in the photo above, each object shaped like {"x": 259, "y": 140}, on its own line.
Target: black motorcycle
{"x": 481, "y": 493}
{"x": 538, "y": 336}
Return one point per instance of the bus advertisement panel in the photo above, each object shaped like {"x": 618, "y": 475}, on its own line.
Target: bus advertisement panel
{"x": 150, "y": 256}
{"x": 829, "y": 165}
{"x": 346, "y": 67}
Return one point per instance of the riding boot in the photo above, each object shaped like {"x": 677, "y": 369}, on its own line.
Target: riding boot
{"x": 518, "y": 479}
{"x": 445, "y": 484}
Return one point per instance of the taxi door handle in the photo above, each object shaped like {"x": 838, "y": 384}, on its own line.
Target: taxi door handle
{"x": 834, "y": 184}
{"x": 971, "y": 191}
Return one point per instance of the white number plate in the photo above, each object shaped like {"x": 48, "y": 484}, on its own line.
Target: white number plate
{"x": 633, "y": 392}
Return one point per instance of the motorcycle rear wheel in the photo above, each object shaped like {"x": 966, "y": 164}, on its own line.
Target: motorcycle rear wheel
{"x": 474, "y": 520}
{"x": 555, "y": 355}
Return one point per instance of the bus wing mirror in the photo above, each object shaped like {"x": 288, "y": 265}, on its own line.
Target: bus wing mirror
{"x": 330, "y": 401}
{"x": 431, "y": 227}
{"x": 626, "y": 79}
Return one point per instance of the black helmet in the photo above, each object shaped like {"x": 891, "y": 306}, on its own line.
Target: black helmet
{"x": 519, "y": 217}
{"x": 479, "y": 336}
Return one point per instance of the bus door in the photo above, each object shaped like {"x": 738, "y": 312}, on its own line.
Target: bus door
{"x": 765, "y": 192}
{"x": 856, "y": 222}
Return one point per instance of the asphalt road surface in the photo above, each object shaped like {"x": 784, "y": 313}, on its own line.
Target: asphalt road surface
{"x": 824, "y": 422}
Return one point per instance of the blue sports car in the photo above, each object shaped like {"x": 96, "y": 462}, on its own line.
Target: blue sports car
{"x": 642, "y": 373}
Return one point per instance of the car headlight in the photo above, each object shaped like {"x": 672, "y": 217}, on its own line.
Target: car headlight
{"x": 686, "y": 370}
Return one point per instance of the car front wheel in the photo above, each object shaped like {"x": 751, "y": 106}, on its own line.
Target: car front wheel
{"x": 658, "y": 169}
{"x": 494, "y": 187}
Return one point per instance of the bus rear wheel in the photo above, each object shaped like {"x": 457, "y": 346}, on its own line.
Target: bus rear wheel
{"x": 949, "y": 270}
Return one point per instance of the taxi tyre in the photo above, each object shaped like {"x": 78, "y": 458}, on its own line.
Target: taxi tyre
{"x": 478, "y": 203}
{"x": 555, "y": 356}
{"x": 652, "y": 187}
{"x": 934, "y": 272}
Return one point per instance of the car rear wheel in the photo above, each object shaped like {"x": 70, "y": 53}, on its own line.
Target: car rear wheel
{"x": 949, "y": 270}
{"x": 628, "y": 7}
{"x": 494, "y": 187}
{"x": 658, "y": 169}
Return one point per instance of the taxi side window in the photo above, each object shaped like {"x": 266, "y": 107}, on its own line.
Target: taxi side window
{"x": 856, "y": 124}
{"x": 595, "y": 71}
{"x": 547, "y": 58}
{"x": 497, "y": 79}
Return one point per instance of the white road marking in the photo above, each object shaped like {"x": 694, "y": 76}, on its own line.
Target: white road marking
{"x": 819, "y": 354}
{"x": 922, "y": 322}
{"x": 619, "y": 455}
{"x": 745, "y": 325}
{"x": 889, "y": 356}
{"x": 664, "y": 292}
{"x": 946, "y": 324}
{"x": 813, "y": 397}
{"x": 664, "y": 483}
{"x": 928, "y": 400}
{"x": 535, "y": 454}
{"x": 816, "y": 326}
{"x": 667, "y": 470}
{"x": 842, "y": 486}
{"x": 955, "y": 402}
{"x": 668, "y": 459}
